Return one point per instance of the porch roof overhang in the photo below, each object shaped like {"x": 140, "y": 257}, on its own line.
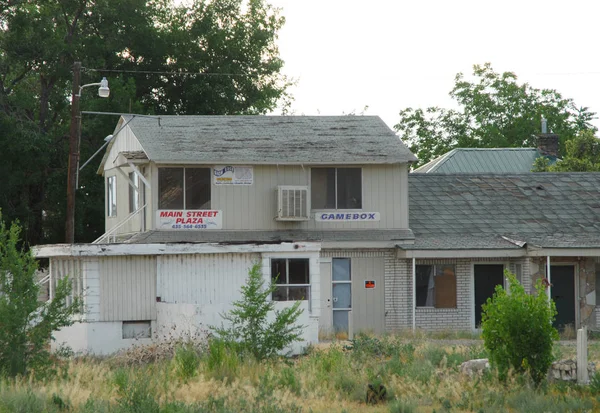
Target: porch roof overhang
{"x": 98, "y": 250}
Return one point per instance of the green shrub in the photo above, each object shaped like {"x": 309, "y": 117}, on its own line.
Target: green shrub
{"x": 517, "y": 330}
{"x": 186, "y": 361}
{"x": 289, "y": 380}
{"x": 249, "y": 327}
{"x": 222, "y": 360}
{"x": 26, "y": 324}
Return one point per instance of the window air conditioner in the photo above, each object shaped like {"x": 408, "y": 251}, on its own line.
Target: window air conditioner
{"x": 292, "y": 203}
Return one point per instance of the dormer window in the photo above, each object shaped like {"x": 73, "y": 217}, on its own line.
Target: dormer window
{"x": 336, "y": 188}
{"x": 183, "y": 188}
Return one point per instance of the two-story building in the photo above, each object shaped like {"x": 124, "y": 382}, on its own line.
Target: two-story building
{"x": 193, "y": 201}
{"x": 323, "y": 204}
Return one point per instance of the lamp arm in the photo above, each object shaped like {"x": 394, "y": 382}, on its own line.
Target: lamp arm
{"x": 88, "y": 85}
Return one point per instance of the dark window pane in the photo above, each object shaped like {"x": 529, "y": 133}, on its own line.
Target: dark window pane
{"x": 341, "y": 269}
{"x": 170, "y": 188}
{"x": 111, "y": 198}
{"x": 279, "y": 294}
{"x": 425, "y": 285}
{"x": 278, "y": 271}
{"x": 197, "y": 188}
{"x": 322, "y": 188}
{"x": 297, "y": 293}
{"x": 349, "y": 188}
{"x": 298, "y": 271}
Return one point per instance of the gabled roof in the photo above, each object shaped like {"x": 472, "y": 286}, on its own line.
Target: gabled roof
{"x": 483, "y": 160}
{"x": 553, "y": 210}
{"x": 269, "y": 140}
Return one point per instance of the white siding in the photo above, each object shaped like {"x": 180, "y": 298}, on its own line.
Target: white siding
{"x": 66, "y": 267}
{"x": 124, "y": 142}
{"x": 254, "y": 207}
{"x": 202, "y": 279}
{"x": 127, "y": 288}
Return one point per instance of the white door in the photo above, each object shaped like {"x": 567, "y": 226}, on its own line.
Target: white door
{"x": 326, "y": 321}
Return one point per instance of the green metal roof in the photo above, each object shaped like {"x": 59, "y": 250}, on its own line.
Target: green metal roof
{"x": 483, "y": 160}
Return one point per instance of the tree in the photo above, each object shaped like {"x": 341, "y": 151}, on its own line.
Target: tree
{"x": 26, "y": 324}
{"x": 517, "y": 329}
{"x": 250, "y": 330}
{"x": 582, "y": 155}
{"x": 210, "y": 57}
{"x": 494, "y": 111}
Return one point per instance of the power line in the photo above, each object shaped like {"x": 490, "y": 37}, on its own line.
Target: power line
{"x": 153, "y": 72}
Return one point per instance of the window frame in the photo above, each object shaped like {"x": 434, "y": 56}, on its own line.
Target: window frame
{"x": 362, "y": 192}
{"x": 287, "y": 274}
{"x": 184, "y": 198}
{"x": 417, "y": 306}
{"x": 111, "y": 195}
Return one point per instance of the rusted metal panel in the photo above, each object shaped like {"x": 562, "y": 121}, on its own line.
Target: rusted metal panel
{"x": 127, "y": 288}
{"x": 206, "y": 279}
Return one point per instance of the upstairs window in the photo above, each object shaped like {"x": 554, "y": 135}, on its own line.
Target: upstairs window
{"x": 436, "y": 286}
{"x": 184, "y": 188}
{"x": 111, "y": 196}
{"x": 336, "y": 188}
{"x": 292, "y": 278}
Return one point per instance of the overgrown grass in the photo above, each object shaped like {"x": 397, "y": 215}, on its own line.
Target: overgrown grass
{"x": 419, "y": 374}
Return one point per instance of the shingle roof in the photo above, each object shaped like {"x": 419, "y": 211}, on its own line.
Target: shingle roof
{"x": 560, "y": 210}
{"x": 269, "y": 139}
{"x": 155, "y": 236}
{"x": 483, "y": 160}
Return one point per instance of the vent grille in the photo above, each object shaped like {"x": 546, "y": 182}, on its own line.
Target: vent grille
{"x": 292, "y": 204}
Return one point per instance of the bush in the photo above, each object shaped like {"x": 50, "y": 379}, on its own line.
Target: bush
{"x": 249, "y": 330}
{"x": 26, "y": 325}
{"x": 186, "y": 361}
{"x": 517, "y": 330}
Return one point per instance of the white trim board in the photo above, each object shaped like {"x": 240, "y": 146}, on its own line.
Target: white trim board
{"x": 96, "y": 250}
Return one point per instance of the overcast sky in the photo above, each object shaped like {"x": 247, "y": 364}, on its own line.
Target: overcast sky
{"x": 393, "y": 54}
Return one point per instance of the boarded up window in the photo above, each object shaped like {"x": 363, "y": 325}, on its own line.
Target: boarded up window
{"x": 137, "y": 329}
{"x": 436, "y": 286}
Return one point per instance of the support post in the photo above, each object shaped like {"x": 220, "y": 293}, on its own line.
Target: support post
{"x": 548, "y": 278}
{"x": 414, "y": 295}
{"x": 582, "y": 356}
{"x": 73, "y": 156}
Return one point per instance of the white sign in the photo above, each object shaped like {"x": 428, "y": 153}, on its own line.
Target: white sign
{"x": 199, "y": 219}
{"x": 347, "y": 216}
{"x": 233, "y": 175}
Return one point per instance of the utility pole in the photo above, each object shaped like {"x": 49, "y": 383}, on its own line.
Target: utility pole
{"x": 73, "y": 156}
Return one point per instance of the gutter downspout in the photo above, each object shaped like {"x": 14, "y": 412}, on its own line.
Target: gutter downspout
{"x": 548, "y": 277}
{"x": 414, "y": 295}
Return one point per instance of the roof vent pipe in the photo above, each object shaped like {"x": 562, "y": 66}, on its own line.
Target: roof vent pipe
{"x": 544, "y": 125}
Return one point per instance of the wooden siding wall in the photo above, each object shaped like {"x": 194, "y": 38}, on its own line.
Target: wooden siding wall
{"x": 127, "y": 288}
{"x": 203, "y": 279}
{"x": 254, "y": 207}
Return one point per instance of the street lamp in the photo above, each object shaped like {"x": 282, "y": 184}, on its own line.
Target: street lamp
{"x": 104, "y": 92}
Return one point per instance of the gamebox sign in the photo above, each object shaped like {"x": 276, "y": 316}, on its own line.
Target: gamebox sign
{"x": 200, "y": 219}
{"x": 347, "y": 216}
{"x": 233, "y": 175}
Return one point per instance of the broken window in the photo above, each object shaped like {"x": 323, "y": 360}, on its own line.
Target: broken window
{"x": 111, "y": 196}
{"x": 336, "y": 188}
{"x": 184, "y": 188}
{"x": 292, "y": 277}
{"x": 436, "y": 286}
